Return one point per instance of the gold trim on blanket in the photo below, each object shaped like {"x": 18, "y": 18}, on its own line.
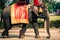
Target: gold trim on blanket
{"x": 17, "y": 17}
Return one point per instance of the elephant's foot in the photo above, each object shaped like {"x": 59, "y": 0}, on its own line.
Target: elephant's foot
{"x": 37, "y": 36}
{"x": 5, "y": 36}
{"x": 48, "y": 37}
{"x": 22, "y": 34}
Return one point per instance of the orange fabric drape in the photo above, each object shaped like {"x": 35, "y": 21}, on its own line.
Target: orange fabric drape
{"x": 19, "y": 14}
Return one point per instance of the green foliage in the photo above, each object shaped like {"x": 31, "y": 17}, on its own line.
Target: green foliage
{"x": 13, "y": 2}
{"x": 55, "y": 23}
{"x": 58, "y": 5}
{"x": 47, "y": 1}
{"x": 0, "y": 10}
{"x": 2, "y": 5}
{"x": 52, "y": 6}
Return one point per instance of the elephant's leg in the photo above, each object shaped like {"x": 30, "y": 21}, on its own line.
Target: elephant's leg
{"x": 44, "y": 23}
{"x": 35, "y": 26}
{"x": 22, "y": 31}
{"x": 4, "y": 32}
{"x": 47, "y": 28}
{"x": 47, "y": 24}
{"x": 7, "y": 25}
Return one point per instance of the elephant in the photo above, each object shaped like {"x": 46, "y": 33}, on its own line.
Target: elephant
{"x": 44, "y": 15}
{"x": 32, "y": 19}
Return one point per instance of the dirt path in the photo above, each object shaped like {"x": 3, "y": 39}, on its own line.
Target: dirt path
{"x": 29, "y": 35}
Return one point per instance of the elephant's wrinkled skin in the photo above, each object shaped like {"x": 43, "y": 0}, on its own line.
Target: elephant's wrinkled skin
{"x": 32, "y": 19}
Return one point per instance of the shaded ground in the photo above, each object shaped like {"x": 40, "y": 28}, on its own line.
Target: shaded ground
{"x": 29, "y": 35}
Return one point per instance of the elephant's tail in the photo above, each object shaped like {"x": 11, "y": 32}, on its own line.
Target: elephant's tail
{"x": 1, "y": 17}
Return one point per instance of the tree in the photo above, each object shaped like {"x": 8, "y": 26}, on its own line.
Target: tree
{"x": 58, "y": 5}
{"x": 2, "y": 5}
{"x": 58, "y": 8}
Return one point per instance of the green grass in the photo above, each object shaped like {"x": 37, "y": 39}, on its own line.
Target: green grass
{"x": 54, "y": 18}
{"x": 54, "y": 21}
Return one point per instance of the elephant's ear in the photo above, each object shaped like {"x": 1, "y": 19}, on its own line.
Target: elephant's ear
{"x": 6, "y": 10}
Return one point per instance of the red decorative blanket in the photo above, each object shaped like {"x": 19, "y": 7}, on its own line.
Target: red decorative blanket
{"x": 19, "y": 14}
